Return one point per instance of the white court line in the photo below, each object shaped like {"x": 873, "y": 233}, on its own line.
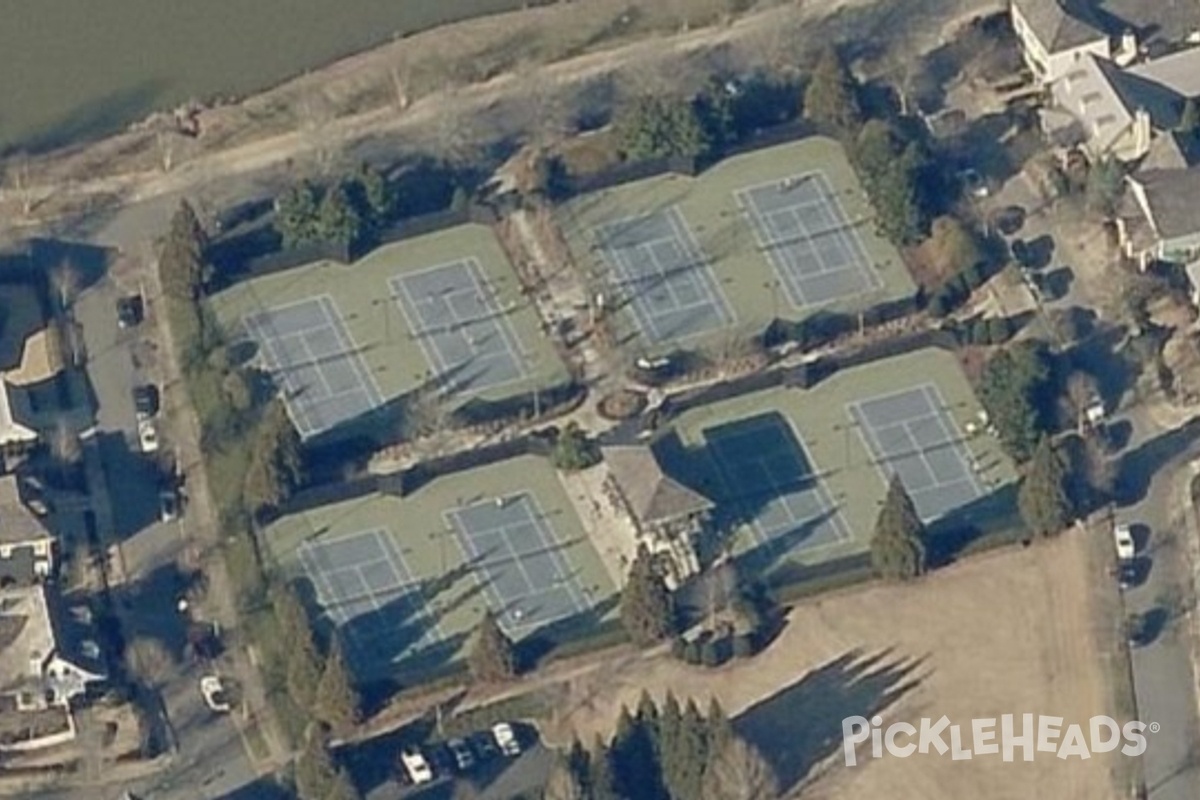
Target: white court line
{"x": 350, "y": 349}
{"x": 433, "y": 355}
{"x": 701, "y": 266}
{"x": 273, "y": 361}
{"x": 954, "y": 433}
{"x": 639, "y": 301}
{"x": 501, "y": 324}
{"x": 841, "y": 531}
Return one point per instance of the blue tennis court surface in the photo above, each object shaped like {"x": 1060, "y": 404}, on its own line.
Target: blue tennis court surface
{"x": 312, "y": 358}
{"x": 463, "y": 331}
{"x": 660, "y": 270}
{"x": 911, "y": 433}
{"x": 815, "y": 250}
{"x": 517, "y": 558}
{"x": 768, "y": 479}
{"x": 371, "y": 597}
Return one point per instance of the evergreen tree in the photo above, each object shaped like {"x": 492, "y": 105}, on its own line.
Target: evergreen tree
{"x": 337, "y": 702}
{"x": 671, "y": 759}
{"x": 601, "y": 783}
{"x": 898, "y": 545}
{"x": 276, "y": 461}
{"x": 295, "y": 629}
{"x": 296, "y": 215}
{"x": 342, "y": 788}
{"x": 182, "y": 257}
{"x": 337, "y": 219}
{"x": 378, "y": 198}
{"x": 659, "y": 127}
{"x": 492, "y": 656}
{"x": 1042, "y": 499}
{"x": 316, "y": 775}
{"x": 647, "y": 611}
{"x": 831, "y": 98}
{"x": 720, "y": 730}
{"x": 634, "y": 766}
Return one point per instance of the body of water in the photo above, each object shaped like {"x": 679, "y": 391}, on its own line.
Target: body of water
{"x": 71, "y": 69}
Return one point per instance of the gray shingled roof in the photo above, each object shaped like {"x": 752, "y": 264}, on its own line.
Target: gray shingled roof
{"x": 1173, "y": 196}
{"x": 652, "y": 495}
{"x": 1061, "y": 24}
{"x": 18, "y": 524}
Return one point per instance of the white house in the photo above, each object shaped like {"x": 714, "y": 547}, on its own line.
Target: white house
{"x": 1088, "y": 110}
{"x": 1054, "y": 33}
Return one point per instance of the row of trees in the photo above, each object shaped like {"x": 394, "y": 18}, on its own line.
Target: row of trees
{"x": 673, "y": 753}
{"x": 318, "y": 777}
{"x": 348, "y": 213}
{"x": 317, "y": 681}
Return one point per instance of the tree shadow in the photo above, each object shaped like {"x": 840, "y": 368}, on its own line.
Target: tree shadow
{"x": 1137, "y": 467}
{"x": 1097, "y": 355}
{"x": 954, "y": 534}
{"x": 133, "y": 481}
{"x": 801, "y": 725}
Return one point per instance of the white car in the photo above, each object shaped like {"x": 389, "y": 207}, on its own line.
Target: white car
{"x": 415, "y": 766}
{"x": 506, "y": 739}
{"x": 147, "y": 436}
{"x": 214, "y": 694}
{"x": 1126, "y": 549}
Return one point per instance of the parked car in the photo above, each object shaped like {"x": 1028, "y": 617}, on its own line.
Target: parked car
{"x": 145, "y": 400}
{"x": 130, "y": 311}
{"x": 506, "y": 739}
{"x": 1123, "y": 536}
{"x": 215, "y": 696}
{"x": 416, "y": 768}
{"x": 464, "y": 759}
{"x": 484, "y": 745}
{"x": 148, "y": 436}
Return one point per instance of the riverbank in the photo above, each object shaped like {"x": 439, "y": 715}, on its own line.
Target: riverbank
{"x": 448, "y": 92}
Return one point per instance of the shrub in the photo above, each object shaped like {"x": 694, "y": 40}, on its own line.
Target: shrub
{"x": 678, "y": 648}
{"x": 744, "y": 645}
{"x": 691, "y": 652}
{"x": 710, "y": 652}
{"x": 999, "y": 329}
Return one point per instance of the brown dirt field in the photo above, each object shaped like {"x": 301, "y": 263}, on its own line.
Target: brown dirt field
{"x": 1013, "y": 632}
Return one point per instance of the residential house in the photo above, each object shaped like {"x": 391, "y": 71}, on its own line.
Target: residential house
{"x": 1160, "y": 217}
{"x": 26, "y": 546}
{"x": 1088, "y": 111}
{"x": 48, "y": 658}
{"x": 1055, "y": 34}
{"x": 667, "y": 515}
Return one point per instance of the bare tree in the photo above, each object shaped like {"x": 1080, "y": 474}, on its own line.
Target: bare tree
{"x": 66, "y": 448}
{"x": 66, "y": 279}
{"x": 23, "y": 184}
{"x": 150, "y": 660}
{"x": 1082, "y": 392}
{"x": 739, "y": 772}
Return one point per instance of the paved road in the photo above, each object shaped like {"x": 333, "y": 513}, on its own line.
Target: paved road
{"x": 209, "y": 760}
{"x": 1163, "y": 671}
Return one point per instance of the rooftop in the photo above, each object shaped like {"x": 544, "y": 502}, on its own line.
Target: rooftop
{"x": 1088, "y": 94}
{"x": 1172, "y": 199}
{"x": 1062, "y": 24}
{"x": 17, "y": 523}
{"x": 651, "y": 494}
{"x": 1179, "y": 72}
{"x": 27, "y": 636}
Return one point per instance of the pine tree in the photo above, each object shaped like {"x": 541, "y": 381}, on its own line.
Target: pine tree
{"x": 671, "y": 760}
{"x": 601, "y": 783}
{"x": 316, "y": 775}
{"x": 337, "y": 702}
{"x": 1042, "y": 499}
{"x": 342, "y": 788}
{"x": 378, "y": 197}
{"x": 720, "y": 730}
{"x": 182, "y": 257}
{"x": 898, "y": 546}
{"x": 296, "y": 215}
{"x": 634, "y": 765}
{"x": 831, "y": 97}
{"x": 492, "y": 656}
{"x": 647, "y": 611}
{"x": 295, "y": 629}
{"x": 337, "y": 218}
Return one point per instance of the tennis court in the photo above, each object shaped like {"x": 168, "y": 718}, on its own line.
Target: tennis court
{"x": 910, "y": 433}
{"x": 661, "y": 271}
{"x": 518, "y": 559}
{"x": 308, "y": 351}
{"x": 370, "y": 595}
{"x": 770, "y": 481}
{"x": 461, "y": 325}
{"x": 813, "y": 246}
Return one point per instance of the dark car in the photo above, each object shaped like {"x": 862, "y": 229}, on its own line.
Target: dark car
{"x": 146, "y": 400}
{"x": 130, "y": 311}
{"x": 464, "y": 759}
{"x": 484, "y": 745}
